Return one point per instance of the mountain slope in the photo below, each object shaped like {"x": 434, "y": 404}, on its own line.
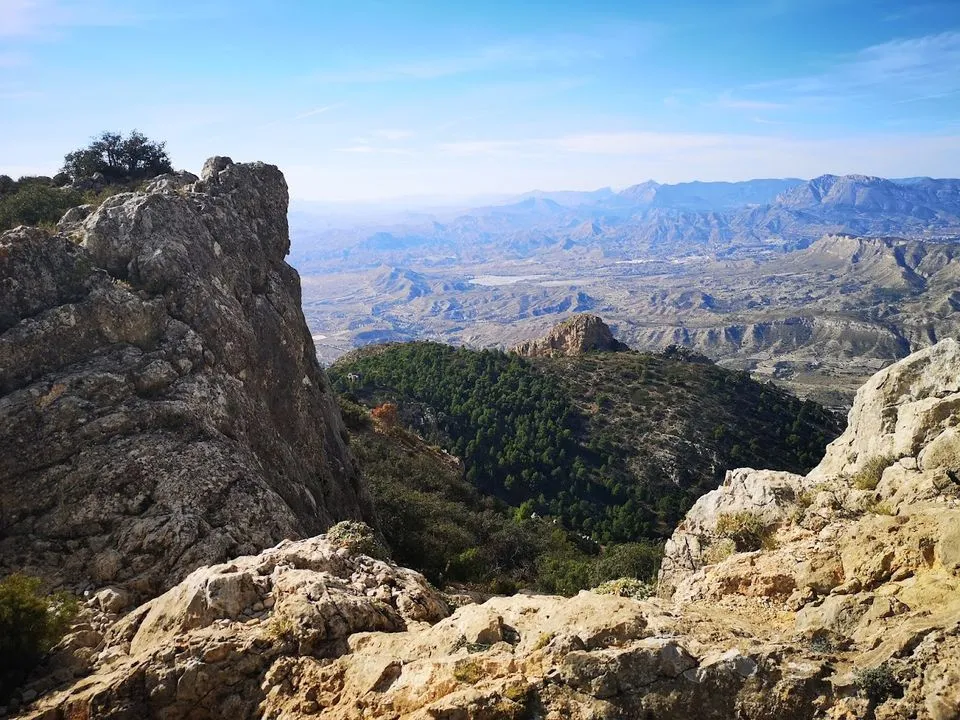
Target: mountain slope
{"x": 615, "y": 444}
{"x": 437, "y": 523}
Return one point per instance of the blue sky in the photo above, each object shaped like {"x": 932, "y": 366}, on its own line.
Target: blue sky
{"x": 368, "y": 100}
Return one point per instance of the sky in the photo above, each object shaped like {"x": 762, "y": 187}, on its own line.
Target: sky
{"x": 361, "y": 101}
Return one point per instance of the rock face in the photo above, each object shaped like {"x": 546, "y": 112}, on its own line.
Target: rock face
{"x": 575, "y": 336}
{"x": 219, "y": 644}
{"x": 161, "y": 406}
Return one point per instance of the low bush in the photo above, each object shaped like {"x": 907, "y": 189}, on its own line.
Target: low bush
{"x": 358, "y": 538}
{"x": 626, "y": 587}
{"x": 868, "y": 477}
{"x": 31, "y": 623}
{"x": 719, "y": 550}
{"x": 746, "y": 529}
{"x": 878, "y": 683}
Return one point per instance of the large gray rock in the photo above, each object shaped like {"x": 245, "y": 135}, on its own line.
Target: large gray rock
{"x": 161, "y": 405}
{"x": 768, "y": 495}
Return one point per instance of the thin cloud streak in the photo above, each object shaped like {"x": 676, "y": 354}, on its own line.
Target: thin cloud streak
{"x": 732, "y": 103}
{"x": 34, "y": 18}
{"x": 315, "y": 111}
{"x": 562, "y": 50}
{"x": 929, "y": 64}
{"x": 371, "y": 150}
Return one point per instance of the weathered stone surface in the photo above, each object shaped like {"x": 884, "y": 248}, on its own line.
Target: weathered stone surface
{"x": 899, "y": 411}
{"x": 874, "y": 572}
{"x": 210, "y": 648}
{"x": 768, "y": 494}
{"x": 161, "y": 406}
{"x": 575, "y": 336}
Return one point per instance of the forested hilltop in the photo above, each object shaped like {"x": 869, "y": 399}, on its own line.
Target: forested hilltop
{"x": 613, "y": 445}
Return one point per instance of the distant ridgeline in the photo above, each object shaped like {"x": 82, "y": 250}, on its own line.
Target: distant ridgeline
{"x": 615, "y": 444}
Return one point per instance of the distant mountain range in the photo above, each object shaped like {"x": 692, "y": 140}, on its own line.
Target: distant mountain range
{"x": 726, "y": 219}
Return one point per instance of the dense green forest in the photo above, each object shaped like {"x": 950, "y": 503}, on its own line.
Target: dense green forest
{"x": 439, "y": 524}
{"x": 614, "y": 445}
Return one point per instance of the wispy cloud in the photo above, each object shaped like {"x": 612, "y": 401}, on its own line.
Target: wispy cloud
{"x": 315, "y": 111}
{"x": 559, "y": 50}
{"x": 604, "y": 143}
{"x": 716, "y": 156}
{"x": 10, "y": 59}
{"x": 27, "y": 18}
{"x": 372, "y": 150}
{"x": 393, "y": 134}
{"x": 733, "y": 103}
{"x": 305, "y": 114}
{"x": 915, "y": 66}
{"x": 16, "y": 95}
{"x": 38, "y": 19}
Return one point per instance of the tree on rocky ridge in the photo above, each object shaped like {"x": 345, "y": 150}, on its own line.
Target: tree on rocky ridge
{"x": 118, "y": 158}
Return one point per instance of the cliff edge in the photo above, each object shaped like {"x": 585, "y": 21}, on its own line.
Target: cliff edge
{"x": 161, "y": 405}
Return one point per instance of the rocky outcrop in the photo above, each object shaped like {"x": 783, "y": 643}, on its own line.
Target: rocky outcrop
{"x": 575, "y": 336}
{"x": 218, "y": 643}
{"x": 161, "y": 406}
{"x": 861, "y": 556}
{"x": 311, "y": 629}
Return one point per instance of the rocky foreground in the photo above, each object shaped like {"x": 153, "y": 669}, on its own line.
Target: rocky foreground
{"x": 840, "y": 600}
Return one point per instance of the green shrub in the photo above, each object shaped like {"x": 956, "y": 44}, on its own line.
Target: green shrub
{"x": 746, "y": 529}
{"x": 564, "y": 575}
{"x": 31, "y": 623}
{"x": 878, "y": 683}
{"x": 719, "y": 550}
{"x": 868, "y": 477}
{"x": 358, "y": 538}
{"x": 469, "y": 672}
{"x": 36, "y": 204}
{"x": 355, "y": 416}
{"x": 640, "y": 561}
{"x": 119, "y": 158}
{"x": 626, "y": 587}
{"x": 881, "y": 508}
{"x": 502, "y": 586}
